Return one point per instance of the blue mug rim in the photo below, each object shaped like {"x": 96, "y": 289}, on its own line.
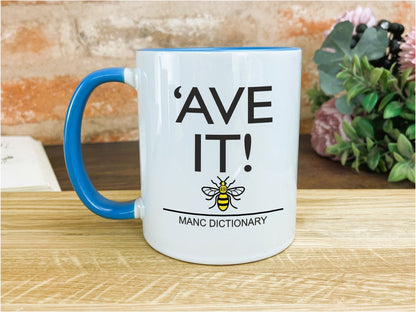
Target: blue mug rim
{"x": 218, "y": 49}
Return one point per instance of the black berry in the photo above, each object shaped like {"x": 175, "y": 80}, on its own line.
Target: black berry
{"x": 379, "y": 62}
{"x": 396, "y": 28}
{"x": 387, "y": 63}
{"x": 397, "y": 37}
{"x": 383, "y": 24}
{"x": 401, "y": 29}
{"x": 394, "y": 46}
{"x": 361, "y": 28}
{"x": 394, "y": 32}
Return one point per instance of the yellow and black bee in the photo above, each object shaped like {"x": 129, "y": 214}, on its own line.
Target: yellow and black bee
{"x": 223, "y": 194}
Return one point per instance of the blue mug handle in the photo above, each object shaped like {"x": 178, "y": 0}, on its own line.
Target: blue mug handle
{"x": 72, "y": 147}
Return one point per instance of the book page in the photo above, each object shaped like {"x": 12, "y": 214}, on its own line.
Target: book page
{"x": 25, "y": 166}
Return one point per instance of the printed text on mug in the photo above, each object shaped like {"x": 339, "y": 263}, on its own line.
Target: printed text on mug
{"x": 223, "y": 139}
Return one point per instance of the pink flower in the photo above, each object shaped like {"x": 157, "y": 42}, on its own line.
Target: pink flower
{"x": 407, "y": 57}
{"x": 328, "y": 121}
{"x": 356, "y": 17}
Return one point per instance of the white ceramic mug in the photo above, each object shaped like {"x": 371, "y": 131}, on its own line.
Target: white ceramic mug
{"x": 218, "y": 147}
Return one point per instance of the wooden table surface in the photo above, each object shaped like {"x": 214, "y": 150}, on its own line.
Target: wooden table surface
{"x": 354, "y": 250}
{"x": 115, "y": 166}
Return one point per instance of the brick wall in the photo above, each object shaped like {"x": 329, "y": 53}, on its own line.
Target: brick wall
{"x": 48, "y": 47}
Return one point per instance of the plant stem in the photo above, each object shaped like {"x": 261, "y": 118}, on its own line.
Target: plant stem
{"x": 399, "y": 91}
{"x": 362, "y": 80}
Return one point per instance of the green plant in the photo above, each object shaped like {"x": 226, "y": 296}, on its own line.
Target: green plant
{"x": 382, "y": 132}
{"x": 316, "y": 97}
{"x": 380, "y": 101}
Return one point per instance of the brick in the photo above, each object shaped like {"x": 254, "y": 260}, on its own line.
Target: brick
{"x": 106, "y": 37}
{"x": 101, "y": 129}
{"x": 115, "y": 136}
{"x": 37, "y": 99}
{"x": 298, "y": 25}
{"x": 48, "y": 46}
{"x": 27, "y": 40}
{"x": 110, "y": 129}
{"x": 5, "y": 3}
{"x": 405, "y": 14}
{"x": 37, "y": 37}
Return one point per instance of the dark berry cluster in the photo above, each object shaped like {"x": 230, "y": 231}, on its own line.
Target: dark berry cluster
{"x": 394, "y": 32}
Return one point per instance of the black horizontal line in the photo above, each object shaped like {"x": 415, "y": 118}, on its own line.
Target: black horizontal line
{"x": 222, "y": 215}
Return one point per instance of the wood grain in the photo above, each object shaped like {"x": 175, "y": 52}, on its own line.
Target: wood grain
{"x": 354, "y": 250}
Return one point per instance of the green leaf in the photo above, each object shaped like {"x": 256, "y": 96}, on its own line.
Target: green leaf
{"x": 343, "y": 106}
{"x": 356, "y": 164}
{"x": 332, "y": 150}
{"x": 369, "y": 143}
{"x": 410, "y": 132}
{"x": 366, "y": 64}
{"x": 370, "y": 101}
{"x": 382, "y": 165}
{"x": 386, "y": 100}
{"x": 349, "y": 131}
{"x": 393, "y": 109}
{"x": 354, "y": 91}
{"x": 404, "y": 76}
{"x": 344, "y": 157}
{"x": 398, "y": 173}
{"x": 355, "y": 150}
{"x": 342, "y": 146}
{"x": 392, "y": 67}
{"x": 343, "y": 75}
{"x": 391, "y": 80}
{"x": 389, "y": 160}
{"x": 375, "y": 75}
{"x": 339, "y": 41}
{"x": 407, "y": 115}
{"x": 363, "y": 127}
{"x": 336, "y": 46}
{"x": 398, "y": 157}
{"x": 410, "y": 103}
{"x": 372, "y": 116}
{"x": 394, "y": 134}
{"x": 386, "y": 139}
{"x": 356, "y": 64}
{"x": 317, "y": 97}
{"x": 410, "y": 173}
{"x": 393, "y": 147}
{"x": 329, "y": 84}
{"x": 405, "y": 147}
{"x": 410, "y": 87}
{"x": 373, "y": 44}
{"x": 337, "y": 137}
{"x": 373, "y": 158}
{"x": 358, "y": 100}
{"x": 387, "y": 126}
{"x": 345, "y": 62}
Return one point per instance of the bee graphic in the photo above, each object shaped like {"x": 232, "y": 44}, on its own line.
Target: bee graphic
{"x": 223, "y": 194}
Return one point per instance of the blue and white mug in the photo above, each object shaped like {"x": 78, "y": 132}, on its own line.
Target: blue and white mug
{"x": 218, "y": 148}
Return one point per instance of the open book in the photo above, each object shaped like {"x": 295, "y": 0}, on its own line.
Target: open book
{"x": 25, "y": 167}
